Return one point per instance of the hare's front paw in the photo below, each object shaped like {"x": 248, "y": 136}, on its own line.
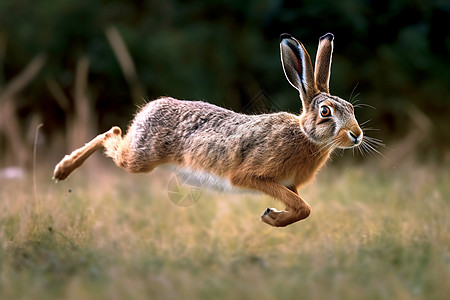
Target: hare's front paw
{"x": 283, "y": 218}
{"x": 271, "y": 216}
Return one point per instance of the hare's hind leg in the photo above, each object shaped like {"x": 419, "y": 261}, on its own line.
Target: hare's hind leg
{"x": 113, "y": 138}
{"x": 296, "y": 208}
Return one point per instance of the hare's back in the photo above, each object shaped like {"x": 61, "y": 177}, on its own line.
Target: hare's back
{"x": 165, "y": 124}
{"x": 183, "y": 117}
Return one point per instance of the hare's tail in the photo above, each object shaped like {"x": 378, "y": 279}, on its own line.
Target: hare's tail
{"x": 114, "y": 146}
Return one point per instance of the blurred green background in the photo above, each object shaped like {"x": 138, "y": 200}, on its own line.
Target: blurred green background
{"x": 90, "y": 63}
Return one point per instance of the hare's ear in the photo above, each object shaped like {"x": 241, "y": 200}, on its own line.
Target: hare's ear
{"x": 298, "y": 68}
{"x": 323, "y": 62}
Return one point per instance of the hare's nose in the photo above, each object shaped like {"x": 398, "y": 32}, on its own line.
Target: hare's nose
{"x": 356, "y": 138}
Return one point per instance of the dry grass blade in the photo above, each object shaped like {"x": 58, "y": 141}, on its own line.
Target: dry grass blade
{"x": 36, "y": 199}
{"x": 58, "y": 93}
{"x": 83, "y": 120}
{"x": 126, "y": 63}
{"x": 9, "y": 124}
{"x": 23, "y": 79}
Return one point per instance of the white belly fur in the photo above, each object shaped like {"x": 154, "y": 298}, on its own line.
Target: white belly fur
{"x": 207, "y": 180}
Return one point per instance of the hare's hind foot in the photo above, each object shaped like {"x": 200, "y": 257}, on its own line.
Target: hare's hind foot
{"x": 282, "y": 218}
{"x": 75, "y": 159}
{"x": 63, "y": 168}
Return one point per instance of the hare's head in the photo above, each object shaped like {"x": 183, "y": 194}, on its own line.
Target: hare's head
{"x": 325, "y": 119}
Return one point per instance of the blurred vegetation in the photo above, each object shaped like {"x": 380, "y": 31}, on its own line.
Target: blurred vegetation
{"x": 393, "y": 54}
{"x": 120, "y": 237}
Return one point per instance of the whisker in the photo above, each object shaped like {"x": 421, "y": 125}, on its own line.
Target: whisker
{"x": 375, "y": 141}
{"x": 327, "y": 146}
{"x": 363, "y": 149}
{"x": 368, "y": 149}
{"x": 351, "y": 94}
{"x": 373, "y": 149}
{"x": 339, "y": 152}
{"x": 363, "y": 105}
{"x": 354, "y": 101}
{"x": 370, "y": 145}
{"x": 364, "y": 123}
{"x": 369, "y": 129}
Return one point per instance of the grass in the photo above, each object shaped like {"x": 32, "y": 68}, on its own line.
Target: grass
{"x": 373, "y": 234}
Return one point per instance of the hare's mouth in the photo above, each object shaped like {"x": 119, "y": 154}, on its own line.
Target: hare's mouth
{"x": 349, "y": 139}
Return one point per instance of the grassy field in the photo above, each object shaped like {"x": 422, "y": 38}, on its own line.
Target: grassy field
{"x": 373, "y": 234}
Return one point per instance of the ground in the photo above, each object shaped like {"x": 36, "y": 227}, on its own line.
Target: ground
{"x": 373, "y": 233}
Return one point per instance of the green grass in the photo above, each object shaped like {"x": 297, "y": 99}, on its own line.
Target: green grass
{"x": 372, "y": 234}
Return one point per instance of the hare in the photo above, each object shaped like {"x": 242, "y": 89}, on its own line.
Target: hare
{"x": 271, "y": 153}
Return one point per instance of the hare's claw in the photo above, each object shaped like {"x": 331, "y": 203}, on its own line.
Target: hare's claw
{"x": 265, "y": 212}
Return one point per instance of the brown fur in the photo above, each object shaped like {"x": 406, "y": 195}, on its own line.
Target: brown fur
{"x": 272, "y": 153}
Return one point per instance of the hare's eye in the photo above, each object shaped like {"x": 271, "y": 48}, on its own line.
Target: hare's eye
{"x": 325, "y": 111}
